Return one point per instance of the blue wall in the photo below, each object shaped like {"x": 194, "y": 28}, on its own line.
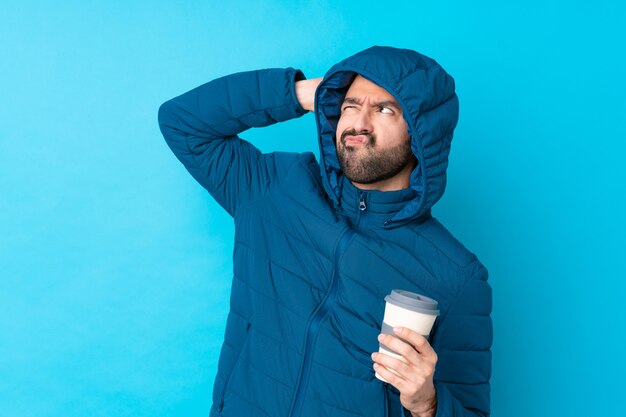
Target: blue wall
{"x": 115, "y": 265}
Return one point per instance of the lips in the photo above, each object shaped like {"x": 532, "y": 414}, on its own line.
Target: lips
{"x": 356, "y": 140}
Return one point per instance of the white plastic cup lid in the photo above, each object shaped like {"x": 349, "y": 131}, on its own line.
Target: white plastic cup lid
{"x": 413, "y": 301}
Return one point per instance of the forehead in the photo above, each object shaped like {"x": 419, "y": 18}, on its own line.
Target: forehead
{"x": 361, "y": 86}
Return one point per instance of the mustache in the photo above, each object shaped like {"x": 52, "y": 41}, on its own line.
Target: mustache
{"x": 351, "y": 132}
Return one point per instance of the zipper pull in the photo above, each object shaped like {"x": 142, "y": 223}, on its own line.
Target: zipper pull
{"x": 362, "y": 205}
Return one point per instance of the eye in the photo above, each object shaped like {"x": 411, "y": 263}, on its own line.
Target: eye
{"x": 387, "y": 108}
{"x": 346, "y": 107}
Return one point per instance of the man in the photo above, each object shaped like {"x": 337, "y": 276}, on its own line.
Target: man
{"x": 319, "y": 245}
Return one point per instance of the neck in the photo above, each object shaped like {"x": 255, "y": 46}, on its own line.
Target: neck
{"x": 392, "y": 184}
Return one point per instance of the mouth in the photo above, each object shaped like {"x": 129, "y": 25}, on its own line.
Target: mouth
{"x": 355, "y": 140}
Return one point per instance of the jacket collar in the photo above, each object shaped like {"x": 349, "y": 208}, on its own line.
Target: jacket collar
{"x": 377, "y": 206}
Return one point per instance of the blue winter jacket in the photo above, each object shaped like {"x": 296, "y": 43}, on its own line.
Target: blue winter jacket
{"x": 314, "y": 256}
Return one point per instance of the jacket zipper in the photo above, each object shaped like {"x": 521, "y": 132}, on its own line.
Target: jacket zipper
{"x": 318, "y": 316}
{"x": 362, "y": 208}
{"x": 362, "y": 205}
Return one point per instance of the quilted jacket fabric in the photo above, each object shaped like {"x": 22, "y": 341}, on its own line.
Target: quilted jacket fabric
{"x": 314, "y": 256}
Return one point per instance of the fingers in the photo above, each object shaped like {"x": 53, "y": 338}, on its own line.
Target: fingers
{"x": 419, "y": 342}
{"x": 400, "y": 347}
{"x": 382, "y": 362}
{"x": 406, "y": 377}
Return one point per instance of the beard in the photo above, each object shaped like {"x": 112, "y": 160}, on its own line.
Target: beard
{"x": 364, "y": 165}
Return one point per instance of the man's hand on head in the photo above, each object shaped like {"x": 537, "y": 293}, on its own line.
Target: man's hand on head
{"x": 305, "y": 91}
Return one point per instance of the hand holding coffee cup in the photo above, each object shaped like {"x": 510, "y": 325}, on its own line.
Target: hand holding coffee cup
{"x": 406, "y": 309}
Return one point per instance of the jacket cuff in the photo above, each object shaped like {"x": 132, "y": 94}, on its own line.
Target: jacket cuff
{"x": 293, "y": 75}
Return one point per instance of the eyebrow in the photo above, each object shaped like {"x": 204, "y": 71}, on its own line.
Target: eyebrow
{"x": 383, "y": 103}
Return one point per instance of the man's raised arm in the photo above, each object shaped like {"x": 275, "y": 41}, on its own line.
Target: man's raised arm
{"x": 201, "y": 127}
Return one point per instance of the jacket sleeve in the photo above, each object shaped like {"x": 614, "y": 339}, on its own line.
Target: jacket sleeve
{"x": 463, "y": 346}
{"x": 201, "y": 127}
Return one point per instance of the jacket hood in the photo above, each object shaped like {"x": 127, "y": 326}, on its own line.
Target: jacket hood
{"x": 429, "y": 105}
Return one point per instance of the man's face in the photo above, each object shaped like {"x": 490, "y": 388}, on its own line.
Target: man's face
{"x": 373, "y": 143}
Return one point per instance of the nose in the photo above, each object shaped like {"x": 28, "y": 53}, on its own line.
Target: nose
{"x": 362, "y": 121}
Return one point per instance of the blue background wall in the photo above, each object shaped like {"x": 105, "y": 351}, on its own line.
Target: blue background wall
{"x": 115, "y": 265}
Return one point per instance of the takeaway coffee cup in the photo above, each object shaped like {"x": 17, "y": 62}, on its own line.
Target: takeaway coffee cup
{"x": 407, "y": 309}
